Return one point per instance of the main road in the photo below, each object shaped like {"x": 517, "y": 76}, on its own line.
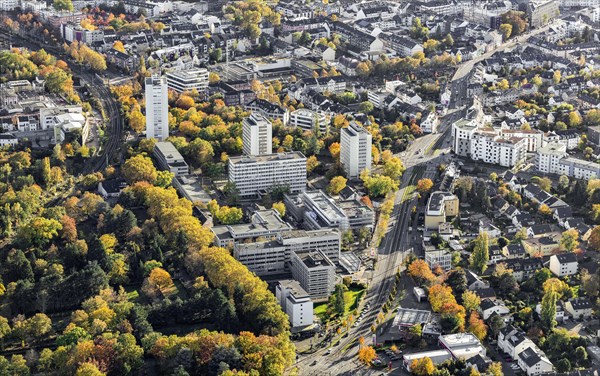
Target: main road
{"x": 420, "y": 159}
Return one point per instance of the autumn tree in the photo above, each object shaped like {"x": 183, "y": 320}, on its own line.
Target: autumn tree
{"x": 336, "y": 185}
{"x": 66, "y": 5}
{"x": 439, "y": 295}
{"x": 334, "y": 150}
{"x": 118, "y": 45}
{"x": 495, "y": 369}
{"x": 480, "y": 255}
{"x": 422, "y": 367}
{"x": 137, "y": 121}
{"x": 471, "y": 301}
{"x": 419, "y": 270}
{"x": 477, "y": 326}
{"x": 506, "y": 30}
{"x": 280, "y": 207}
{"x": 139, "y": 168}
{"x": 311, "y": 163}
{"x": 545, "y": 210}
{"x": 393, "y": 168}
{"x": 424, "y": 185}
{"x": 367, "y": 354}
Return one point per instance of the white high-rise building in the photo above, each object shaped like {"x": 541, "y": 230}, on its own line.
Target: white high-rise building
{"x": 157, "y": 108}
{"x": 257, "y": 135}
{"x": 355, "y": 150}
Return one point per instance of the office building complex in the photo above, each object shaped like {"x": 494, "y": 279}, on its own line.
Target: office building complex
{"x": 317, "y": 210}
{"x": 274, "y": 256}
{"x": 315, "y": 272}
{"x": 169, "y": 159}
{"x": 157, "y": 108}
{"x": 257, "y": 135}
{"x": 256, "y": 175}
{"x": 263, "y": 223}
{"x": 355, "y": 150}
{"x": 188, "y": 80}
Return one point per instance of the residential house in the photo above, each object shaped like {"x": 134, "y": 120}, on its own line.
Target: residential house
{"x": 579, "y": 308}
{"x": 534, "y": 362}
{"x": 564, "y": 264}
{"x": 490, "y": 306}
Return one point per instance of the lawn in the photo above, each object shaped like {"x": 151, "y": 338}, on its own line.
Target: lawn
{"x": 351, "y": 299}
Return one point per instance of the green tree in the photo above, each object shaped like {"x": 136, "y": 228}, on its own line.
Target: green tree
{"x": 339, "y": 304}
{"x": 481, "y": 255}
{"x": 563, "y": 365}
{"x": 366, "y": 107}
{"x": 66, "y": 5}
{"x": 548, "y": 310}
{"x": 569, "y": 241}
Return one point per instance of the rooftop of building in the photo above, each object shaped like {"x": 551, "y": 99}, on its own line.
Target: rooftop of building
{"x": 294, "y": 288}
{"x": 267, "y": 157}
{"x": 314, "y": 259}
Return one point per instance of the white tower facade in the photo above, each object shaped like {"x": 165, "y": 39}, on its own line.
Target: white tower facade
{"x": 157, "y": 108}
{"x": 257, "y": 135}
{"x": 355, "y": 150}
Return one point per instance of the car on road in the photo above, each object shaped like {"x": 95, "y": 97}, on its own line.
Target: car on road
{"x": 328, "y": 351}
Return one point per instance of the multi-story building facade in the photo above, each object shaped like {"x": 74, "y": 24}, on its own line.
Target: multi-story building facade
{"x": 274, "y": 256}
{"x": 170, "y": 159}
{"x": 257, "y": 135}
{"x": 540, "y": 12}
{"x": 548, "y": 157}
{"x": 315, "y": 272}
{"x": 188, "y": 80}
{"x": 553, "y": 159}
{"x": 504, "y": 151}
{"x": 255, "y": 175}
{"x": 355, "y": 150}
{"x": 157, "y": 108}
{"x": 263, "y": 224}
{"x": 295, "y": 302}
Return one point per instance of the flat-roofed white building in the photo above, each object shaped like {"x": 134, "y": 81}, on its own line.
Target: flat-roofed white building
{"x": 255, "y": 175}
{"x": 257, "y": 135}
{"x": 355, "y": 149}
{"x": 309, "y": 120}
{"x": 549, "y": 156}
{"x": 170, "y": 159}
{"x": 462, "y": 345}
{"x": 188, "y": 80}
{"x": 296, "y": 303}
